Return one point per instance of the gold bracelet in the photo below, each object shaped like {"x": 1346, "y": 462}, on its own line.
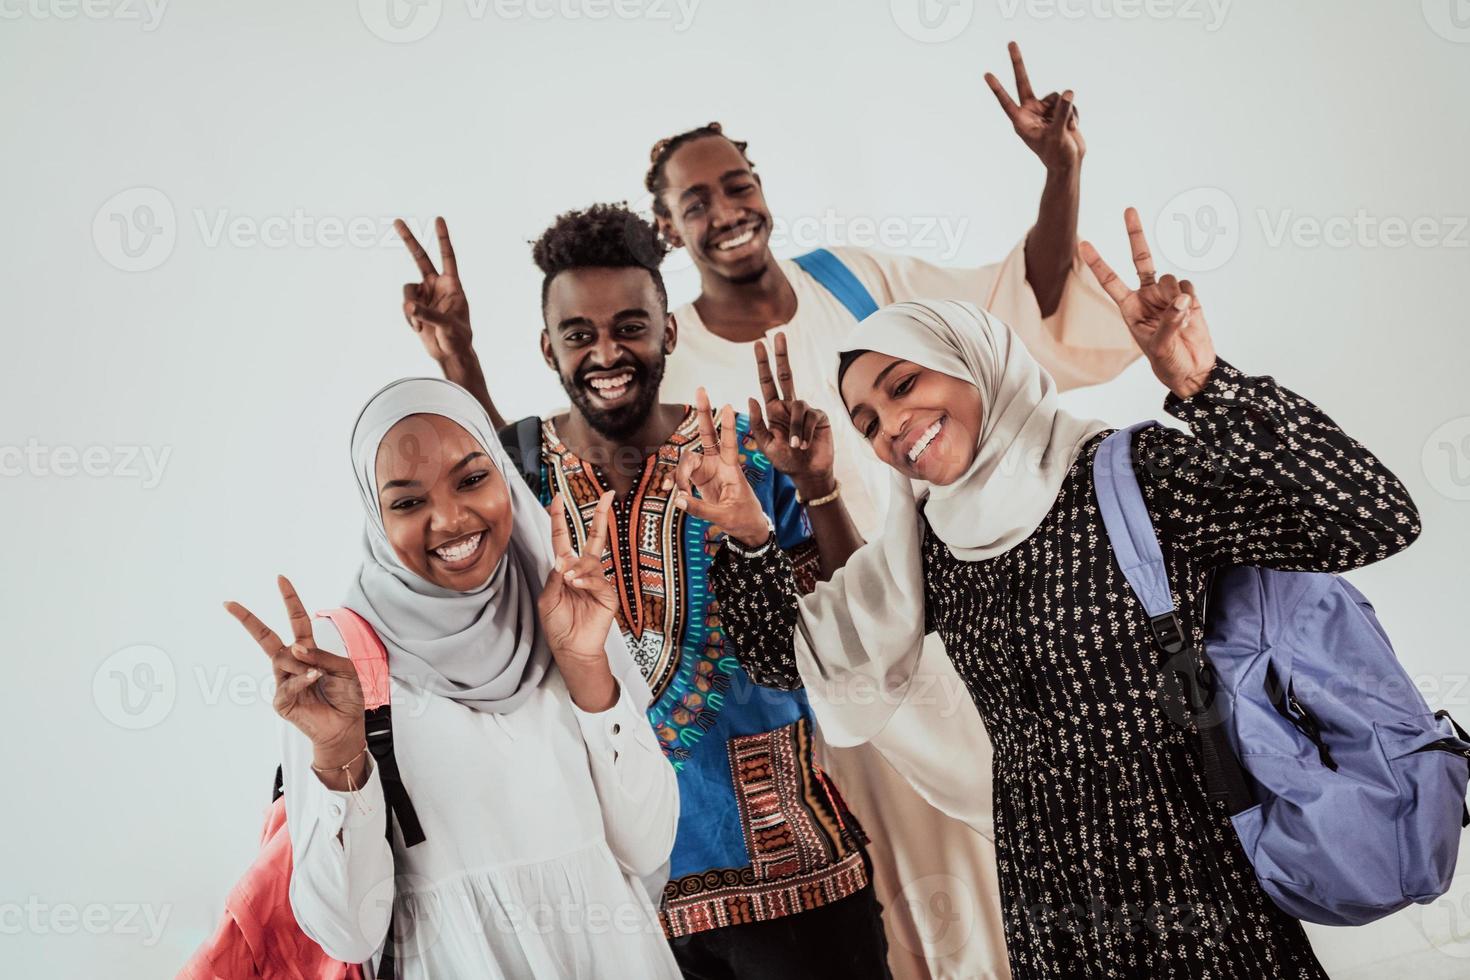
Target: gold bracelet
{"x": 346, "y": 770}
{"x": 836, "y": 492}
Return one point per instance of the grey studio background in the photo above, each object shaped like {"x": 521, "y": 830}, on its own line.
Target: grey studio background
{"x": 201, "y": 286}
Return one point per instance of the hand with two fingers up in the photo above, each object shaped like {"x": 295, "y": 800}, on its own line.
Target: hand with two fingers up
{"x": 795, "y": 436}
{"x": 1163, "y": 314}
{"x": 725, "y": 497}
{"x": 316, "y": 691}
{"x": 577, "y": 605}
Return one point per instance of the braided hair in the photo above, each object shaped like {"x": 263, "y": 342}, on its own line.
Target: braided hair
{"x": 656, "y": 182}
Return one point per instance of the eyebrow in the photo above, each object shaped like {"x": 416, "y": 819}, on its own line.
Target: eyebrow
{"x": 737, "y": 172}
{"x": 582, "y": 321}
{"x": 399, "y": 484}
{"x": 852, "y": 415}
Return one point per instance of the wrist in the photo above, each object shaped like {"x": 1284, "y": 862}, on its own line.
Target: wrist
{"x": 590, "y": 685}
{"x": 815, "y": 486}
{"x": 751, "y": 536}
{"x": 336, "y": 752}
{"x": 460, "y": 365}
{"x": 1065, "y": 172}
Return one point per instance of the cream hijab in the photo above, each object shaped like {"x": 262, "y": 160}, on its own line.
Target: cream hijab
{"x": 860, "y": 634}
{"x": 483, "y": 648}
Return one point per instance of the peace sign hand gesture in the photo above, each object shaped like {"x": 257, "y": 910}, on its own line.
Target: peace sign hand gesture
{"x": 725, "y": 497}
{"x": 794, "y": 436}
{"x": 1048, "y": 126}
{"x": 316, "y": 691}
{"x": 577, "y": 603}
{"x": 436, "y": 308}
{"x": 1164, "y": 315}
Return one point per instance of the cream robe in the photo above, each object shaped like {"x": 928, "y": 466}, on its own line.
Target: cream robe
{"x": 936, "y": 876}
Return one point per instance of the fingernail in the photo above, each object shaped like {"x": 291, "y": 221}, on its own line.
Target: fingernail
{"x": 795, "y": 441}
{"x": 313, "y": 673}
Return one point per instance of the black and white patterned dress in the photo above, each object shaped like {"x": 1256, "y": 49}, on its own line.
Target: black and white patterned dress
{"x": 1113, "y": 862}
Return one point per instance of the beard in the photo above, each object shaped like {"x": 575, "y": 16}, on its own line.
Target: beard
{"x": 623, "y": 421}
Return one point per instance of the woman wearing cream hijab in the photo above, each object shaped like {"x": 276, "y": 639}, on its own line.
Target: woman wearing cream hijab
{"x": 548, "y": 809}
{"x": 1113, "y": 862}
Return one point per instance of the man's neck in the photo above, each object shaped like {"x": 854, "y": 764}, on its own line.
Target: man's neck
{"x": 743, "y": 311}
{"x": 621, "y": 460}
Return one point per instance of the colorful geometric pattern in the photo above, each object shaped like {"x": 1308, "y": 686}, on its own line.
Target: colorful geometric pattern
{"x": 803, "y": 846}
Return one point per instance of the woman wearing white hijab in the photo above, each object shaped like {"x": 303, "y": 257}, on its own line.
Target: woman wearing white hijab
{"x": 518, "y": 726}
{"x": 1113, "y": 862}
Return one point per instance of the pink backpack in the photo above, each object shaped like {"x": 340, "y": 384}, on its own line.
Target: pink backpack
{"x": 259, "y": 937}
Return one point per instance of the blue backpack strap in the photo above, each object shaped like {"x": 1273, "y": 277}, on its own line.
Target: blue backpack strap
{"x": 1136, "y": 549}
{"x": 1131, "y": 533}
{"x": 838, "y": 280}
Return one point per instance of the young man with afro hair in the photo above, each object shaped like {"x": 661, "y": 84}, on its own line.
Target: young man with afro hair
{"x": 769, "y": 876}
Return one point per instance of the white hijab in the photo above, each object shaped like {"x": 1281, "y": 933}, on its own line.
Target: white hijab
{"x": 860, "y": 634}
{"x": 482, "y": 648}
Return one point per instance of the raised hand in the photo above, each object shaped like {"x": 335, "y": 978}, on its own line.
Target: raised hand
{"x": 1048, "y": 126}
{"x": 725, "y": 497}
{"x": 1163, "y": 314}
{"x": 577, "y": 603}
{"x": 794, "y": 436}
{"x": 436, "y": 308}
{"x": 316, "y": 691}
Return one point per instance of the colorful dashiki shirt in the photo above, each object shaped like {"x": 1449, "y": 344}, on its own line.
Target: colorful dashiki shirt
{"x": 763, "y": 832}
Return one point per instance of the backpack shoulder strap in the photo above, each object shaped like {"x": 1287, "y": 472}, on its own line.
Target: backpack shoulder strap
{"x": 370, "y": 657}
{"x": 1132, "y": 535}
{"x": 522, "y": 441}
{"x": 366, "y": 652}
{"x": 1136, "y": 549}
{"x": 838, "y": 280}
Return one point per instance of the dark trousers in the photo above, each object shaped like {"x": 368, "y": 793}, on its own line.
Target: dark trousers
{"x": 842, "y": 940}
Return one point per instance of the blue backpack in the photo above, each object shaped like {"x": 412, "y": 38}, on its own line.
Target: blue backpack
{"x": 1346, "y": 791}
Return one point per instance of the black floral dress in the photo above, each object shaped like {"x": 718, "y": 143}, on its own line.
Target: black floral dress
{"x": 1113, "y": 862}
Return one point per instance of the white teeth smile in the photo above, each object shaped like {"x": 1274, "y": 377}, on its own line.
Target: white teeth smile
{"x": 461, "y": 550}
{"x": 611, "y": 389}
{"x": 918, "y": 448}
{"x": 744, "y": 238}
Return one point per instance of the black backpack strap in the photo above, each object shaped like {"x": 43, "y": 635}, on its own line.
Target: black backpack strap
{"x": 522, "y": 442}
{"x": 379, "y": 725}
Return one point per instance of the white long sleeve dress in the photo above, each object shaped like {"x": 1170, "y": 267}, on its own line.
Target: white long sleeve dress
{"x": 539, "y": 828}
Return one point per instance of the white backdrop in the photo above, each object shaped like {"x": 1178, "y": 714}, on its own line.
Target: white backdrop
{"x": 201, "y": 286}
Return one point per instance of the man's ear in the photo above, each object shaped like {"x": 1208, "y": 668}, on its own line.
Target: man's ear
{"x": 546, "y": 354}
{"x": 671, "y": 333}
{"x": 667, "y": 232}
